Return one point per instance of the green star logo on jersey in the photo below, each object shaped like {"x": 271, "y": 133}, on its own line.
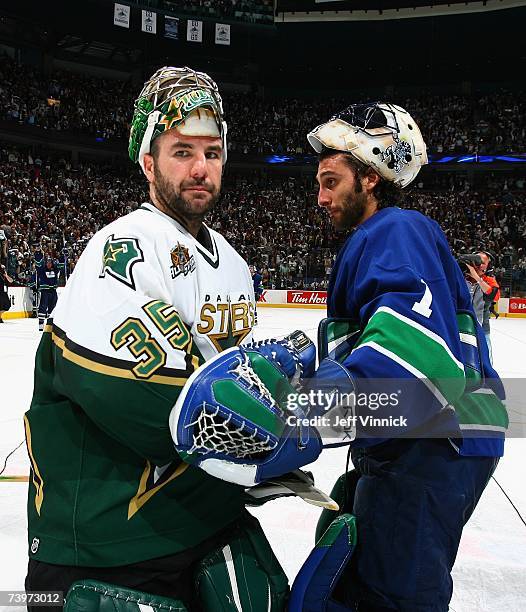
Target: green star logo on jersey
{"x": 119, "y": 257}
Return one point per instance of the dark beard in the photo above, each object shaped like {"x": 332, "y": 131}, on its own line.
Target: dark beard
{"x": 175, "y": 204}
{"x": 354, "y": 207}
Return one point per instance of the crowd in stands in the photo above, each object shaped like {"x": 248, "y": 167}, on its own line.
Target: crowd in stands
{"x": 458, "y": 124}
{"x": 273, "y": 221}
{"x": 46, "y": 202}
{"x": 64, "y": 101}
{"x": 101, "y": 108}
{"x": 252, "y": 11}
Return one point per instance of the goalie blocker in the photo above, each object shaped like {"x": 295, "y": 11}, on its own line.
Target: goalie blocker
{"x": 231, "y": 420}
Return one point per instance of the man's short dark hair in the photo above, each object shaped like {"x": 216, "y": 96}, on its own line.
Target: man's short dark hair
{"x": 154, "y": 148}
{"x": 385, "y": 192}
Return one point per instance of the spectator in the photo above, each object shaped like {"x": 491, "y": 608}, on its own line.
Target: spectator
{"x": 491, "y": 291}
{"x": 268, "y": 218}
{"x": 5, "y": 232}
{"x": 5, "y": 302}
{"x": 70, "y": 102}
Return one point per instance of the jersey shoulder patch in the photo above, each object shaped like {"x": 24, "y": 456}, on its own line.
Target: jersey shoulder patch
{"x": 118, "y": 258}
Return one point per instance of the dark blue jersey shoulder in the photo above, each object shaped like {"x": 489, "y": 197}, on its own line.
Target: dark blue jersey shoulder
{"x": 257, "y": 279}
{"x": 396, "y": 278}
{"x": 386, "y": 253}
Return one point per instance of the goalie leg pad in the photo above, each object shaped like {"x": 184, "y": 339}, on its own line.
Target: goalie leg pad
{"x": 314, "y": 585}
{"x": 337, "y": 337}
{"x": 243, "y": 575}
{"x": 343, "y": 494}
{"x": 95, "y": 596}
{"x": 471, "y": 356}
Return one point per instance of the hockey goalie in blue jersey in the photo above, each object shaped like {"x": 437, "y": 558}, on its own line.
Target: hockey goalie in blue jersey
{"x": 401, "y": 332}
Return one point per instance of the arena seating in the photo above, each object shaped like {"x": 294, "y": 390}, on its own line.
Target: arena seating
{"x": 272, "y": 220}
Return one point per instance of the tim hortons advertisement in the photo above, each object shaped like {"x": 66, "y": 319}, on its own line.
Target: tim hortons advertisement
{"x": 263, "y": 297}
{"x": 517, "y": 305}
{"x": 306, "y": 297}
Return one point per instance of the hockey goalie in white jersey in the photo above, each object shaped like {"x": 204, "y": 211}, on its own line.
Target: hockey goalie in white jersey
{"x": 126, "y": 489}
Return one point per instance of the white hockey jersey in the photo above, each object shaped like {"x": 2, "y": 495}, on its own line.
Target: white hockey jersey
{"x": 144, "y": 307}
{"x": 154, "y": 297}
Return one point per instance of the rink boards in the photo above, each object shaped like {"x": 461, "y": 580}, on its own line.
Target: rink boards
{"x": 22, "y": 301}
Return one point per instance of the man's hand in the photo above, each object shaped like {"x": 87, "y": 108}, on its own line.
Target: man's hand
{"x": 478, "y": 279}
{"x": 473, "y": 273}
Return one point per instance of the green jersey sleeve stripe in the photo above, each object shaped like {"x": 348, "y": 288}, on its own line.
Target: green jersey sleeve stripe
{"x": 421, "y": 328}
{"x": 480, "y": 427}
{"x": 418, "y": 350}
{"x": 407, "y": 366}
{"x": 482, "y": 409}
{"x": 412, "y": 345}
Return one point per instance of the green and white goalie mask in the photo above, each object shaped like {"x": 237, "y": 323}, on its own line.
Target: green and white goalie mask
{"x": 176, "y": 98}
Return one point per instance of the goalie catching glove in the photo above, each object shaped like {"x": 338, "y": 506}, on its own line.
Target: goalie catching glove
{"x": 295, "y": 354}
{"x": 232, "y": 420}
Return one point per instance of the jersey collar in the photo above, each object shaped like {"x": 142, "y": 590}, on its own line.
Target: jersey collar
{"x": 205, "y": 243}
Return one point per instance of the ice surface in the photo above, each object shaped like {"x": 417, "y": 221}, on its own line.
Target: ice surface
{"x": 490, "y": 572}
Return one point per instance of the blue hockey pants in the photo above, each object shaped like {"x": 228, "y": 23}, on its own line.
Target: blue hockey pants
{"x": 412, "y": 500}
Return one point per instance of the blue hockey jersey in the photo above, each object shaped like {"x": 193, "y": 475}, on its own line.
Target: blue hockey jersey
{"x": 257, "y": 280}
{"x": 396, "y": 277}
{"x": 47, "y": 278}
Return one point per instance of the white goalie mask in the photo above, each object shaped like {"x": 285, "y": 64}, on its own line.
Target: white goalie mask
{"x": 382, "y": 136}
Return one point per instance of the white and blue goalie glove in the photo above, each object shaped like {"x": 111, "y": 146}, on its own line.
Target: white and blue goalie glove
{"x": 232, "y": 420}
